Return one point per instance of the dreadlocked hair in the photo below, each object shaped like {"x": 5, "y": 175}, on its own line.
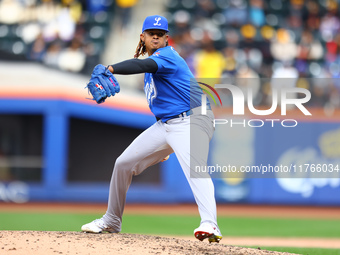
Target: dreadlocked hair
{"x": 141, "y": 49}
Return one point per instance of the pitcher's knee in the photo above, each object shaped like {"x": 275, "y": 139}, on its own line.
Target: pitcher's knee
{"x": 123, "y": 164}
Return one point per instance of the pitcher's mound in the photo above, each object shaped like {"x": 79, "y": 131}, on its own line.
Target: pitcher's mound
{"x": 46, "y": 242}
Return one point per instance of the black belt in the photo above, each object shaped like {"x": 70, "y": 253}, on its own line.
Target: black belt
{"x": 181, "y": 115}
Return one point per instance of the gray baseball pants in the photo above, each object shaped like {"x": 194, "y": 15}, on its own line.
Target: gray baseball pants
{"x": 153, "y": 145}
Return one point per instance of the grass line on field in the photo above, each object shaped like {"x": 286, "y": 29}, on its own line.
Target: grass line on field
{"x": 235, "y": 226}
{"x": 175, "y": 225}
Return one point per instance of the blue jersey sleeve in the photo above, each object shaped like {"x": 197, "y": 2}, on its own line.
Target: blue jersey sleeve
{"x": 165, "y": 60}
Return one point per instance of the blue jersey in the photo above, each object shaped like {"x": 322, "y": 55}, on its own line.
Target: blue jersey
{"x": 171, "y": 90}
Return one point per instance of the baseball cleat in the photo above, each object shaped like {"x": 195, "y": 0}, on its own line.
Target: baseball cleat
{"x": 208, "y": 230}
{"x": 215, "y": 238}
{"x": 97, "y": 226}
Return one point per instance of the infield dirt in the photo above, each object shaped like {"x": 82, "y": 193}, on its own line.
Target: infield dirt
{"x": 45, "y": 243}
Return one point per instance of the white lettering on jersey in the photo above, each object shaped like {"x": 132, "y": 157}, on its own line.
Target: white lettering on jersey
{"x": 150, "y": 91}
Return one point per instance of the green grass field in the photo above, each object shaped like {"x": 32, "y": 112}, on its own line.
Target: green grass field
{"x": 184, "y": 225}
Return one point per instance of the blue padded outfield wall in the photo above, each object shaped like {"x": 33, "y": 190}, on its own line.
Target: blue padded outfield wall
{"x": 308, "y": 143}
{"x": 311, "y": 141}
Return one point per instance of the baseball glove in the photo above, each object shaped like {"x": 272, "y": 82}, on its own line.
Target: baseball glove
{"x": 102, "y": 84}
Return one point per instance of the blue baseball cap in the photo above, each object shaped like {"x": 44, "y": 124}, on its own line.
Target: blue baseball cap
{"x": 155, "y": 22}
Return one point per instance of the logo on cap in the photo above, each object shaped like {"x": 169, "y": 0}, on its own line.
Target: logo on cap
{"x": 155, "y": 22}
{"x": 157, "y": 19}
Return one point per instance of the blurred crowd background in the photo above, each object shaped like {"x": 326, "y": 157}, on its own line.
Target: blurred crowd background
{"x": 296, "y": 39}
{"x": 68, "y": 34}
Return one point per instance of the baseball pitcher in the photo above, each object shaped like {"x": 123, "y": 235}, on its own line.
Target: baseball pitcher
{"x": 175, "y": 103}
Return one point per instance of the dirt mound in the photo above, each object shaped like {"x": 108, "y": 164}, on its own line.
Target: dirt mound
{"x": 45, "y": 242}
